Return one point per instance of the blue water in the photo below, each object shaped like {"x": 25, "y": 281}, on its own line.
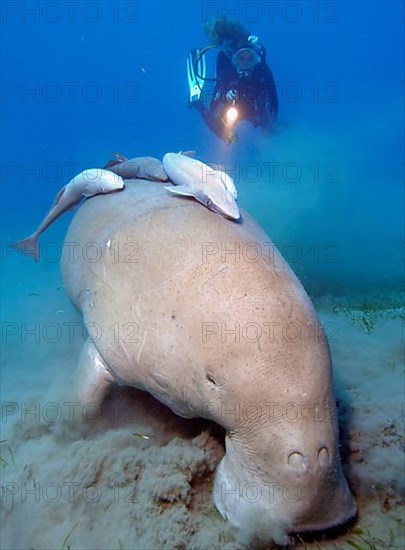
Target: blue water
{"x": 82, "y": 82}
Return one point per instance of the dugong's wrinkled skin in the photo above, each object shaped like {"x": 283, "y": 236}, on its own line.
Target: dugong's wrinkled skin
{"x": 213, "y": 332}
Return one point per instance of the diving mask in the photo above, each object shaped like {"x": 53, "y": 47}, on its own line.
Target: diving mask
{"x": 245, "y": 59}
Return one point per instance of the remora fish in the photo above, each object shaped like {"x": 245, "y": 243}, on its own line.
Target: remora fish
{"x": 148, "y": 168}
{"x": 86, "y": 184}
{"x": 212, "y": 188}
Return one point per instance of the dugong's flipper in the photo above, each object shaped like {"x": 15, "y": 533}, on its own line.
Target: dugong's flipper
{"x": 92, "y": 378}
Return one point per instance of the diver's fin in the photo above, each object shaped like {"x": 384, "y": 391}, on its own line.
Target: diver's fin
{"x": 195, "y": 74}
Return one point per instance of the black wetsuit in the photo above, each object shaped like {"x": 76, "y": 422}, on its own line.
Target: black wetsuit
{"x": 257, "y": 99}
{"x": 257, "y": 96}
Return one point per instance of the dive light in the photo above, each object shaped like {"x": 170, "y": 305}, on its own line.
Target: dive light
{"x": 231, "y": 115}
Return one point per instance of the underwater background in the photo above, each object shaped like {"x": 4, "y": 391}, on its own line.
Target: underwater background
{"x": 81, "y": 80}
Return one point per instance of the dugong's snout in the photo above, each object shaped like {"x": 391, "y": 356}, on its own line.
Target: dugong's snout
{"x": 325, "y": 502}
{"x": 275, "y": 500}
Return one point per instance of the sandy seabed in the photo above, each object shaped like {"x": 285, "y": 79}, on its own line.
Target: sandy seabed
{"x": 135, "y": 476}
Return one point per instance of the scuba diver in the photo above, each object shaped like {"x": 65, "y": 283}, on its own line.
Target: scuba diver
{"x": 244, "y": 84}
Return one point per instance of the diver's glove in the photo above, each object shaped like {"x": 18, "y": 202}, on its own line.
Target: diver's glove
{"x": 231, "y": 96}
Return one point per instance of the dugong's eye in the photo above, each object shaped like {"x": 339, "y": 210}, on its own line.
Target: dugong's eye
{"x": 211, "y": 379}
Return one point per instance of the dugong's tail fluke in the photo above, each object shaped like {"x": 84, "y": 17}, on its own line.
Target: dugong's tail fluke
{"x": 29, "y": 246}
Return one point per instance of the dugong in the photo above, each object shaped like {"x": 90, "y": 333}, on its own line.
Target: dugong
{"x": 205, "y": 315}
